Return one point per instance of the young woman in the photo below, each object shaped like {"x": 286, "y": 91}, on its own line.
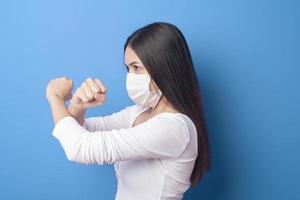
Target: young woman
{"x": 159, "y": 145}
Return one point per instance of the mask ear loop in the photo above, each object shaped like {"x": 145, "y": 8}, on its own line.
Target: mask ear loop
{"x": 159, "y": 93}
{"x": 155, "y": 85}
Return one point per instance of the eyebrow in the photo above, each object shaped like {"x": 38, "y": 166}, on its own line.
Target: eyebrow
{"x": 134, "y": 62}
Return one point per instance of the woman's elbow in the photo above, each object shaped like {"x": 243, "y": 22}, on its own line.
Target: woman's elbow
{"x": 70, "y": 156}
{"x": 79, "y": 157}
{"x": 85, "y": 153}
{"x": 73, "y": 154}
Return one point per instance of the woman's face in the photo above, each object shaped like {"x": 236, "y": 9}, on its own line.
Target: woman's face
{"x": 135, "y": 66}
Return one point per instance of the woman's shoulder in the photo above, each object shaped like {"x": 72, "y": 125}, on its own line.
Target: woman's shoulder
{"x": 177, "y": 119}
{"x": 179, "y": 124}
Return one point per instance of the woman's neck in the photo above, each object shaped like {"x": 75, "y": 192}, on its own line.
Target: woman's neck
{"x": 162, "y": 106}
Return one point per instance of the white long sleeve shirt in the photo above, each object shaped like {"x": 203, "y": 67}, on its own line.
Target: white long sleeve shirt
{"x": 152, "y": 160}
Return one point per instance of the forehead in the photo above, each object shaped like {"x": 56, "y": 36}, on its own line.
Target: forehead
{"x": 130, "y": 56}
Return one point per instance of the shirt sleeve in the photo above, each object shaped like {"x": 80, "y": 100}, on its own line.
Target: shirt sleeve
{"x": 116, "y": 120}
{"x": 164, "y": 136}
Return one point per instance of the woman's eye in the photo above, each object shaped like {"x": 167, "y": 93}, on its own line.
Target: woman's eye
{"x": 135, "y": 67}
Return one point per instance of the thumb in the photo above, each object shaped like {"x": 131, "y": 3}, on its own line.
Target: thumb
{"x": 97, "y": 96}
{"x": 100, "y": 97}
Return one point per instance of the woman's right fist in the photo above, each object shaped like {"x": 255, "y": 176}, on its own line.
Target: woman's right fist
{"x": 91, "y": 93}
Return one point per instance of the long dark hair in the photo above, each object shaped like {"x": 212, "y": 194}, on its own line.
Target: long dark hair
{"x": 163, "y": 50}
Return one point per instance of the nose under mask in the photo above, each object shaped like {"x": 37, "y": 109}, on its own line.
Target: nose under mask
{"x": 137, "y": 86}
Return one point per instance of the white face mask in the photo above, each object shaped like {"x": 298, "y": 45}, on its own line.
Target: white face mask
{"x": 137, "y": 86}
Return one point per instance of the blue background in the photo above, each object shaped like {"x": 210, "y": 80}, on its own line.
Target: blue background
{"x": 246, "y": 54}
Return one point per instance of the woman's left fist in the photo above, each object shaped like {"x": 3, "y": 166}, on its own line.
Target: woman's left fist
{"x": 60, "y": 87}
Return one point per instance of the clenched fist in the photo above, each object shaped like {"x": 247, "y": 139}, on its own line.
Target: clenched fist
{"x": 91, "y": 93}
{"x": 60, "y": 87}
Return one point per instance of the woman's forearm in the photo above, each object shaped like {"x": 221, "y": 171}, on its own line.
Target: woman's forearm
{"x": 78, "y": 114}
{"x": 58, "y": 108}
